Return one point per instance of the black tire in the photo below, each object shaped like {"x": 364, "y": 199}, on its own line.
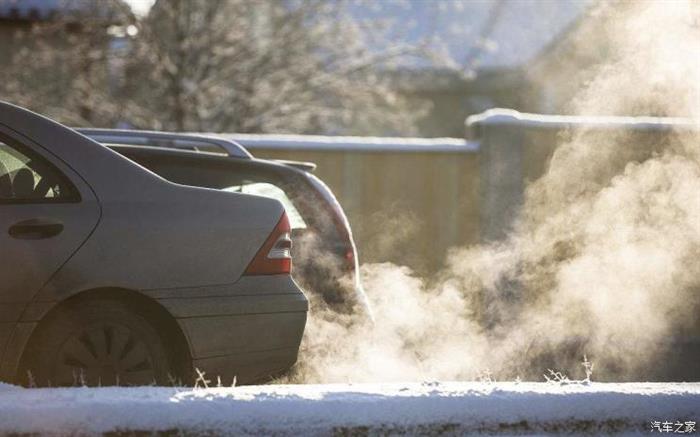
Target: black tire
{"x": 99, "y": 342}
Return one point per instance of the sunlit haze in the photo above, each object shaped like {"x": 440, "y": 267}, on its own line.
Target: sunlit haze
{"x": 140, "y": 7}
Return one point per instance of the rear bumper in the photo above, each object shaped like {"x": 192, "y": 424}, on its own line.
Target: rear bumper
{"x": 249, "y": 368}
{"x": 251, "y": 329}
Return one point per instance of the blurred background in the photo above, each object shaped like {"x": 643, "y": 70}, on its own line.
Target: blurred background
{"x": 389, "y": 68}
{"x": 361, "y": 67}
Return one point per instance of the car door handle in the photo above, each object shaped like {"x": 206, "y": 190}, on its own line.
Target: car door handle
{"x": 35, "y": 229}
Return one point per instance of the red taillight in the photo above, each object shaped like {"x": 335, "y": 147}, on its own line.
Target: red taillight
{"x": 275, "y": 256}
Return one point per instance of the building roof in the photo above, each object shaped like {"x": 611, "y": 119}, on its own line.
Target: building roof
{"x": 477, "y": 34}
{"x": 37, "y": 10}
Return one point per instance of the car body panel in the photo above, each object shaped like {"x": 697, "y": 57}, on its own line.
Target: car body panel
{"x": 251, "y": 367}
{"x": 228, "y": 327}
{"x": 179, "y": 229}
{"x": 17, "y": 341}
{"x": 320, "y": 250}
{"x": 34, "y": 261}
{"x": 184, "y": 247}
{"x": 141, "y": 209}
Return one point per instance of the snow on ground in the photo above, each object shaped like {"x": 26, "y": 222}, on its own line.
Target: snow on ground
{"x": 447, "y": 407}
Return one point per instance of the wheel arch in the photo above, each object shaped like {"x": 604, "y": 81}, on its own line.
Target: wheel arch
{"x": 163, "y": 321}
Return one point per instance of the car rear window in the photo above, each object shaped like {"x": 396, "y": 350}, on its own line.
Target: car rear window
{"x": 265, "y": 189}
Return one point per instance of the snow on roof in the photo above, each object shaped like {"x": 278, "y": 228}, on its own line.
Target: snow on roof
{"x": 500, "y": 116}
{"x": 411, "y": 408}
{"x": 40, "y": 9}
{"x": 45, "y": 9}
{"x": 349, "y": 143}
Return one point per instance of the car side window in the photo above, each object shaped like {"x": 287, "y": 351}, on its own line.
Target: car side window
{"x": 26, "y": 177}
{"x": 268, "y": 190}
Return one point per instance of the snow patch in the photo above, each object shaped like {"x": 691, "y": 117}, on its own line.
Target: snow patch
{"x": 321, "y": 409}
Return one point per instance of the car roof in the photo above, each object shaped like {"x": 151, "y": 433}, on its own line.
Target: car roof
{"x": 97, "y": 165}
{"x": 169, "y": 140}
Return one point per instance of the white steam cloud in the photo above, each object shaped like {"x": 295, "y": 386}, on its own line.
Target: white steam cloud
{"x": 603, "y": 261}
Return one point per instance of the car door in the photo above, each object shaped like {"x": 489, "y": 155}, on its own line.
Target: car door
{"x": 46, "y": 212}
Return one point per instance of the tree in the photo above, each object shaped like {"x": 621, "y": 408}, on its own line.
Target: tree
{"x": 64, "y": 65}
{"x": 264, "y": 66}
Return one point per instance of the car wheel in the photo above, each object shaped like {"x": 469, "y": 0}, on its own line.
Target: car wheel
{"x": 101, "y": 342}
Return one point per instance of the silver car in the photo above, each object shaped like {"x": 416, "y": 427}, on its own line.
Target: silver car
{"x": 110, "y": 274}
{"x": 324, "y": 252}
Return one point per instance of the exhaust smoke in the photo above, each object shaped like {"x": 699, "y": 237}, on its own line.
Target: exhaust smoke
{"x": 603, "y": 259}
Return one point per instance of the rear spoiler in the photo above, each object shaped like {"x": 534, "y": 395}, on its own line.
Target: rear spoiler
{"x": 301, "y": 165}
